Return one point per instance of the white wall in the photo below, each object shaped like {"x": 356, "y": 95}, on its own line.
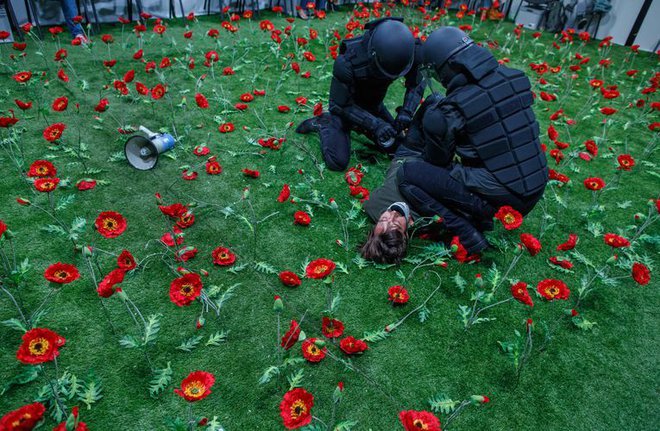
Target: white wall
{"x": 649, "y": 33}
{"x": 619, "y": 21}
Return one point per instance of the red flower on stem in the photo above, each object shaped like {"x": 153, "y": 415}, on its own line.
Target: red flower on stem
{"x": 290, "y": 338}
{"x": 311, "y": 352}
{"x": 520, "y": 293}
{"x": 110, "y": 224}
{"x": 296, "y": 406}
{"x": 319, "y": 268}
{"x": 510, "y": 218}
{"x": 184, "y": 290}
{"x": 290, "y": 279}
{"x": 398, "y": 295}
{"x": 222, "y": 256}
{"x": 552, "y": 289}
{"x": 54, "y": 132}
{"x": 196, "y": 386}
{"x": 24, "y": 418}
{"x": 413, "y": 420}
{"x": 39, "y": 345}
{"x": 351, "y": 346}
{"x": 61, "y": 273}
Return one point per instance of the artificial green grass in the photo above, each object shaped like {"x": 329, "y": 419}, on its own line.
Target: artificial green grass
{"x": 601, "y": 379}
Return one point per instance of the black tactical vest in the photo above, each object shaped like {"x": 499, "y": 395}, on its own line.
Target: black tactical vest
{"x": 502, "y": 130}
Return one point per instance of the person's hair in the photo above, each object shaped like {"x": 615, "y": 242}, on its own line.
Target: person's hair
{"x": 388, "y": 247}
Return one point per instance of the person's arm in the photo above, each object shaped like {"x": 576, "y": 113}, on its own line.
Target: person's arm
{"x": 415, "y": 86}
{"x": 441, "y": 124}
{"x": 343, "y": 104}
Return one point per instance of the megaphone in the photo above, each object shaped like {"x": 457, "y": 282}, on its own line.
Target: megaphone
{"x": 142, "y": 152}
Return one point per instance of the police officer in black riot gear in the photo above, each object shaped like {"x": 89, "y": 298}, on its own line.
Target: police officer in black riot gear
{"x": 362, "y": 73}
{"x": 486, "y": 120}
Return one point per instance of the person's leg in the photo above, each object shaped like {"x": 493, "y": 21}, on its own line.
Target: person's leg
{"x": 432, "y": 191}
{"x": 70, "y": 10}
{"x": 334, "y": 136}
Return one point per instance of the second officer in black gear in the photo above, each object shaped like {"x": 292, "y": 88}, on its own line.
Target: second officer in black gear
{"x": 485, "y": 119}
{"x": 362, "y": 73}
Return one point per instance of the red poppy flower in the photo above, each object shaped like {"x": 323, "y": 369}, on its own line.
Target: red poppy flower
{"x": 289, "y": 278}
{"x": 186, "y": 220}
{"x": 301, "y": 218}
{"x": 80, "y": 426}
{"x": 106, "y": 287}
{"x": 226, "y": 128}
{"x": 158, "y": 91}
{"x": 22, "y": 77}
{"x": 552, "y": 289}
{"x": 250, "y": 173}
{"x": 196, "y": 386}
{"x": 126, "y": 261}
{"x": 185, "y": 254}
{"x": 107, "y": 38}
{"x": 641, "y": 274}
{"x": 141, "y": 88}
{"x": 398, "y": 295}
{"x": 61, "y": 54}
{"x": 419, "y": 420}
{"x": 201, "y": 150}
{"x": 560, "y": 262}
{"x": 532, "y": 244}
{"x": 296, "y": 405}
{"x": 110, "y": 224}
{"x": 615, "y": 241}
{"x": 61, "y": 273}
{"x": 351, "y": 346}
{"x": 3, "y": 228}
{"x": 510, "y": 218}
{"x": 228, "y": 71}
{"x": 291, "y": 337}
{"x": 332, "y": 328}
{"x": 86, "y": 184}
{"x": 201, "y": 101}
{"x": 319, "y": 268}
{"x": 311, "y": 351}
{"x": 39, "y": 345}
{"x": 547, "y": 97}
{"x": 285, "y": 193}
{"x": 223, "y": 256}
{"x": 570, "y": 244}
{"x": 174, "y": 211}
{"x": 213, "y": 167}
{"x": 24, "y": 418}
{"x": 318, "y": 109}
{"x": 46, "y": 185}
{"x": 259, "y": 92}
{"x": 169, "y": 241}
{"x": 626, "y": 162}
{"x": 184, "y": 290}
{"x": 189, "y": 175}
{"x": 608, "y": 111}
{"x": 594, "y": 183}
{"x": 42, "y": 168}
{"x": 54, "y": 132}
{"x": 591, "y": 147}
{"x": 520, "y": 293}
{"x": 246, "y": 97}
{"x": 23, "y": 105}
{"x": 102, "y": 106}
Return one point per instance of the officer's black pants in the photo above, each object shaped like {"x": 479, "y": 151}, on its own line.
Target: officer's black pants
{"x": 335, "y": 136}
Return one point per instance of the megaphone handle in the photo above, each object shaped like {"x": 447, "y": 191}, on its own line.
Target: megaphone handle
{"x": 146, "y": 131}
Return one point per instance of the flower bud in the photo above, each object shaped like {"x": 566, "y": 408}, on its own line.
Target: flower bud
{"x": 200, "y": 322}
{"x": 319, "y": 343}
{"x": 87, "y": 251}
{"x": 454, "y": 248}
{"x": 203, "y": 422}
{"x": 333, "y": 203}
{"x": 612, "y": 258}
{"x": 9, "y": 234}
{"x": 159, "y": 199}
{"x": 479, "y": 281}
{"x": 337, "y": 394}
{"x": 278, "y": 305}
{"x": 183, "y": 271}
{"x": 24, "y": 202}
{"x": 204, "y": 272}
{"x": 479, "y": 399}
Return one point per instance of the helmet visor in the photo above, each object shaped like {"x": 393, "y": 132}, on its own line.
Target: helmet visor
{"x": 392, "y": 71}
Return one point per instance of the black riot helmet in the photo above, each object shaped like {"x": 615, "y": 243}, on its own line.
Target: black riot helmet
{"x": 391, "y": 45}
{"x": 442, "y": 44}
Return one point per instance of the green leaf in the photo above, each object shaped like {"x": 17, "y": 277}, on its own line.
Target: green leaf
{"x": 162, "y": 377}
{"x": 424, "y": 313}
{"x": 228, "y": 294}
{"x": 268, "y": 375}
{"x": 217, "y": 338}
{"x": 443, "y": 404}
{"x": 190, "y": 344}
{"x": 460, "y": 282}
{"x": 14, "y": 323}
{"x": 51, "y": 228}
{"x": 214, "y": 425}
{"x": 375, "y": 336}
{"x": 334, "y": 305}
{"x": 464, "y": 312}
{"x": 78, "y": 225}
{"x": 129, "y": 342}
{"x": 27, "y": 374}
{"x": 345, "y": 425}
{"x": 295, "y": 379}
{"x": 265, "y": 267}
{"x": 117, "y": 157}
{"x": 583, "y": 323}
{"x": 90, "y": 392}
{"x": 64, "y": 202}
{"x": 341, "y": 267}
{"x": 151, "y": 329}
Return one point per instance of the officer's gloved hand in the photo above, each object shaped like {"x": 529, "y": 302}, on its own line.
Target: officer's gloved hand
{"x": 385, "y": 134}
{"x": 402, "y": 121}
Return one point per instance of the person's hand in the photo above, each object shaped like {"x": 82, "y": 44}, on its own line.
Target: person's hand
{"x": 402, "y": 121}
{"x": 385, "y": 132}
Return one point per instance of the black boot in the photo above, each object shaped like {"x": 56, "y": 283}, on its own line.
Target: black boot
{"x": 308, "y": 126}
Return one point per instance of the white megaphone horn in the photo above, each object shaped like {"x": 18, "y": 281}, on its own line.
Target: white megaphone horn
{"x": 142, "y": 152}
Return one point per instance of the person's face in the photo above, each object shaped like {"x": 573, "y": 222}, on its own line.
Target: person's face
{"x": 391, "y": 220}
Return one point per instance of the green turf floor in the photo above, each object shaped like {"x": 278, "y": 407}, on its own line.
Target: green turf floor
{"x": 605, "y": 378}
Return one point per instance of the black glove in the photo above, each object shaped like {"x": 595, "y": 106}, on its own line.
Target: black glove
{"x": 402, "y": 121}
{"x": 385, "y": 132}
